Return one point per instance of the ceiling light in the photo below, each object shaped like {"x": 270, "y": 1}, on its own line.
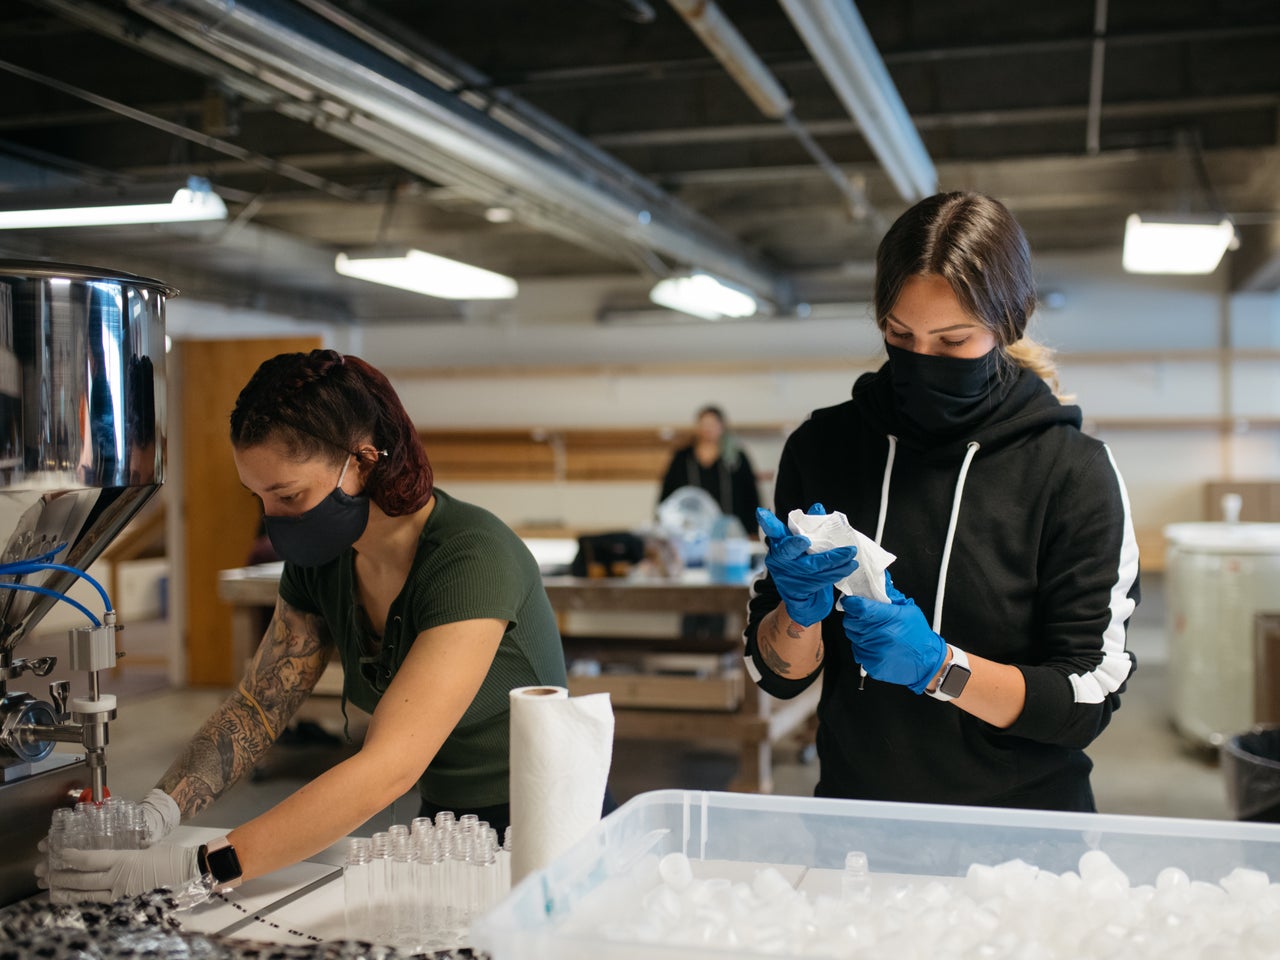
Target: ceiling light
{"x": 702, "y": 295}
{"x": 195, "y": 201}
{"x": 499, "y": 214}
{"x": 1175, "y": 243}
{"x": 836, "y": 35}
{"x": 430, "y": 275}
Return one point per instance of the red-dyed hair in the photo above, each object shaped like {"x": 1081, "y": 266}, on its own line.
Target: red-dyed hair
{"x": 325, "y": 404}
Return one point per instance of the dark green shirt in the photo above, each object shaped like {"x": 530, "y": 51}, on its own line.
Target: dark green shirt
{"x": 469, "y": 566}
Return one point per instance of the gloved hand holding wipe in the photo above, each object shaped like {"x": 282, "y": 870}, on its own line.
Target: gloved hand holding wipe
{"x": 893, "y": 641}
{"x": 804, "y": 580}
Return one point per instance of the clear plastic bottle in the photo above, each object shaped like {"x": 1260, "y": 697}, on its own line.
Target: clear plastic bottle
{"x": 380, "y": 895}
{"x": 729, "y": 552}
{"x": 504, "y": 863}
{"x": 427, "y": 888}
{"x": 356, "y": 872}
{"x": 464, "y": 883}
{"x": 404, "y": 893}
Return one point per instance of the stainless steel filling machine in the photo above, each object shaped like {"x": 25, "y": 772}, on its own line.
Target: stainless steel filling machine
{"x": 82, "y": 449}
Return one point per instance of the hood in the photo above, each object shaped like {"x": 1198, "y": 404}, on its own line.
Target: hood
{"x": 1029, "y": 406}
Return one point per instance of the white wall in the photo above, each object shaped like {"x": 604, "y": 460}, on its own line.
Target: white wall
{"x": 546, "y": 360}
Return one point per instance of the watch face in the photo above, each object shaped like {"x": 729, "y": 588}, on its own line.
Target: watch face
{"x": 224, "y": 864}
{"x": 954, "y": 682}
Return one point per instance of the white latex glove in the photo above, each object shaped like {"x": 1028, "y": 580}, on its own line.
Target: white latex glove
{"x": 160, "y": 813}
{"x": 107, "y": 875}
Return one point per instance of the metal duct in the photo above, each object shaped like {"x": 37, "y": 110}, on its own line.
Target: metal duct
{"x": 290, "y": 48}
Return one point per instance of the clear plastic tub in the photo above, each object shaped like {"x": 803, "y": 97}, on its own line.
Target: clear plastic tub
{"x": 565, "y": 910}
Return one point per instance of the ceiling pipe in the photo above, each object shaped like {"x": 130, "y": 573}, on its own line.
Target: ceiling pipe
{"x": 217, "y": 144}
{"x": 374, "y": 27}
{"x": 731, "y": 48}
{"x": 840, "y": 43}
{"x": 1093, "y": 129}
{"x": 306, "y": 51}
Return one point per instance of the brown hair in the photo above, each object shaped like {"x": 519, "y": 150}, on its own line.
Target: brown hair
{"x": 325, "y": 404}
{"x": 974, "y": 243}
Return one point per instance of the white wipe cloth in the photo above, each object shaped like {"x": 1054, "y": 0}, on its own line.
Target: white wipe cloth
{"x": 827, "y": 531}
{"x": 561, "y": 748}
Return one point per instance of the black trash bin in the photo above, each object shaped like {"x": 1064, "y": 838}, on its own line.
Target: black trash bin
{"x": 1251, "y": 766}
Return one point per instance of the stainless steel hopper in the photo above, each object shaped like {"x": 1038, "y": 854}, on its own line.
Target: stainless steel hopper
{"x": 82, "y": 440}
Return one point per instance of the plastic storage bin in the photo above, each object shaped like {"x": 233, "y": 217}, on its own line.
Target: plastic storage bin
{"x": 1219, "y": 576}
{"x": 1251, "y": 768}
{"x": 560, "y": 911}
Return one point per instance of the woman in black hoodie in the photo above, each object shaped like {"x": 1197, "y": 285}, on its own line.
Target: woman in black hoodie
{"x": 959, "y": 457}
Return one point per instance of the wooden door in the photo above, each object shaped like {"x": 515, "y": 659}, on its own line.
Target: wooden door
{"x": 220, "y": 518}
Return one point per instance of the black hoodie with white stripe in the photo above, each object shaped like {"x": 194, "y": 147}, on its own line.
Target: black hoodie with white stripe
{"x": 1041, "y": 572}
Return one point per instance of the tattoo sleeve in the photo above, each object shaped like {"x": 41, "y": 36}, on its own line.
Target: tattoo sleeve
{"x": 772, "y": 659}
{"x": 289, "y": 661}
{"x": 781, "y": 630}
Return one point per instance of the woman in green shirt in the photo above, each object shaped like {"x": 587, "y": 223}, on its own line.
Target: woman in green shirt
{"x": 434, "y": 607}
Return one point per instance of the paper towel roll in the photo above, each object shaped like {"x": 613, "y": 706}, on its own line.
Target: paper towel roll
{"x": 561, "y": 747}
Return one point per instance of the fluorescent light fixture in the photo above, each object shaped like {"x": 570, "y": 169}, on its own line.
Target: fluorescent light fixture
{"x": 430, "y": 275}
{"x": 836, "y": 35}
{"x": 193, "y": 202}
{"x": 1175, "y": 243}
{"x": 702, "y": 295}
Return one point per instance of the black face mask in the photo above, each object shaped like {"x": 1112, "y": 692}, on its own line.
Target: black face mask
{"x": 942, "y": 394}
{"x": 323, "y": 532}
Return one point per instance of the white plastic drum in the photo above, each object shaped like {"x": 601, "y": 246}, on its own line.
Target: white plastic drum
{"x": 1219, "y": 576}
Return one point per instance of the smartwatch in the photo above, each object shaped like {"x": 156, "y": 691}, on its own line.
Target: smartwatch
{"x": 954, "y": 676}
{"x": 218, "y": 859}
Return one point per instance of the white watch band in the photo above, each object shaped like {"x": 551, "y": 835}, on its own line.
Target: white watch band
{"x": 954, "y": 676}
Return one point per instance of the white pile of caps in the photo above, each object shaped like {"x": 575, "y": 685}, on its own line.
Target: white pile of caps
{"x": 1013, "y": 911}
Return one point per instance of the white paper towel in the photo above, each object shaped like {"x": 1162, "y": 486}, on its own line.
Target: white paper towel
{"x": 561, "y": 747}
{"x": 830, "y": 530}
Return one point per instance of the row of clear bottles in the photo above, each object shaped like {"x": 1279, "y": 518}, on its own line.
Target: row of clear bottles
{"x": 418, "y": 887}
{"x": 110, "y": 825}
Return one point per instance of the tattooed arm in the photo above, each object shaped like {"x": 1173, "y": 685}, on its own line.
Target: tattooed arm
{"x": 788, "y": 649}
{"x": 289, "y": 661}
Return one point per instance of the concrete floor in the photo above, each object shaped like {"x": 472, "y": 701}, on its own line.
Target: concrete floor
{"x": 1141, "y": 765}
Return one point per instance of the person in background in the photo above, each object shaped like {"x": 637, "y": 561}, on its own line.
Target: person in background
{"x": 964, "y": 463}
{"x": 717, "y": 463}
{"x": 434, "y": 607}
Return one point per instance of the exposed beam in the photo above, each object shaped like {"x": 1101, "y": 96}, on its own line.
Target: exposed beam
{"x": 732, "y": 133}
{"x": 697, "y": 67}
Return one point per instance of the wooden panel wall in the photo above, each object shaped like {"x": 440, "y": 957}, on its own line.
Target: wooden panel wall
{"x": 219, "y": 516}
{"x": 561, "y": 453}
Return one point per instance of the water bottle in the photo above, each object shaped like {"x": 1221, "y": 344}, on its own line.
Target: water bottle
{"x": 729, "y": 553}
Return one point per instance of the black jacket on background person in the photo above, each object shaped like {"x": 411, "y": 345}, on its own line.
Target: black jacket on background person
{"x": 1043, "y": 574}
{"x": 733, "y": 487}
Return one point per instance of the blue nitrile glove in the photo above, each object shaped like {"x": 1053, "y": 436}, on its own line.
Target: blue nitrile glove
{"x": 804, "y": 580}
{"x": 893, "y": 641}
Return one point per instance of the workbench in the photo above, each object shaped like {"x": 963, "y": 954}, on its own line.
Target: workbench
{"x": 657, "y": 706}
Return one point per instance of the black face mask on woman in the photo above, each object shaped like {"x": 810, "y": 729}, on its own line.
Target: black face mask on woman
{"x": 323, "y": 532}
{"x": 943, "y": 394}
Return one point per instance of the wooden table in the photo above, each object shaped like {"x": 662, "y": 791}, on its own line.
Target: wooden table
{"x": 755, "y": 724}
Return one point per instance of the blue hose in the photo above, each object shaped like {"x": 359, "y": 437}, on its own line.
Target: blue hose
{"x": 22, "y": 567}
{"x": 44, "y": 557}
{"x": 57, "y": 596}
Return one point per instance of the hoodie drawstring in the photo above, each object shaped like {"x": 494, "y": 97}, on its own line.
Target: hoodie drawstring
{"x": 971, "y": 451}
{"x": 884, "y": 487}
